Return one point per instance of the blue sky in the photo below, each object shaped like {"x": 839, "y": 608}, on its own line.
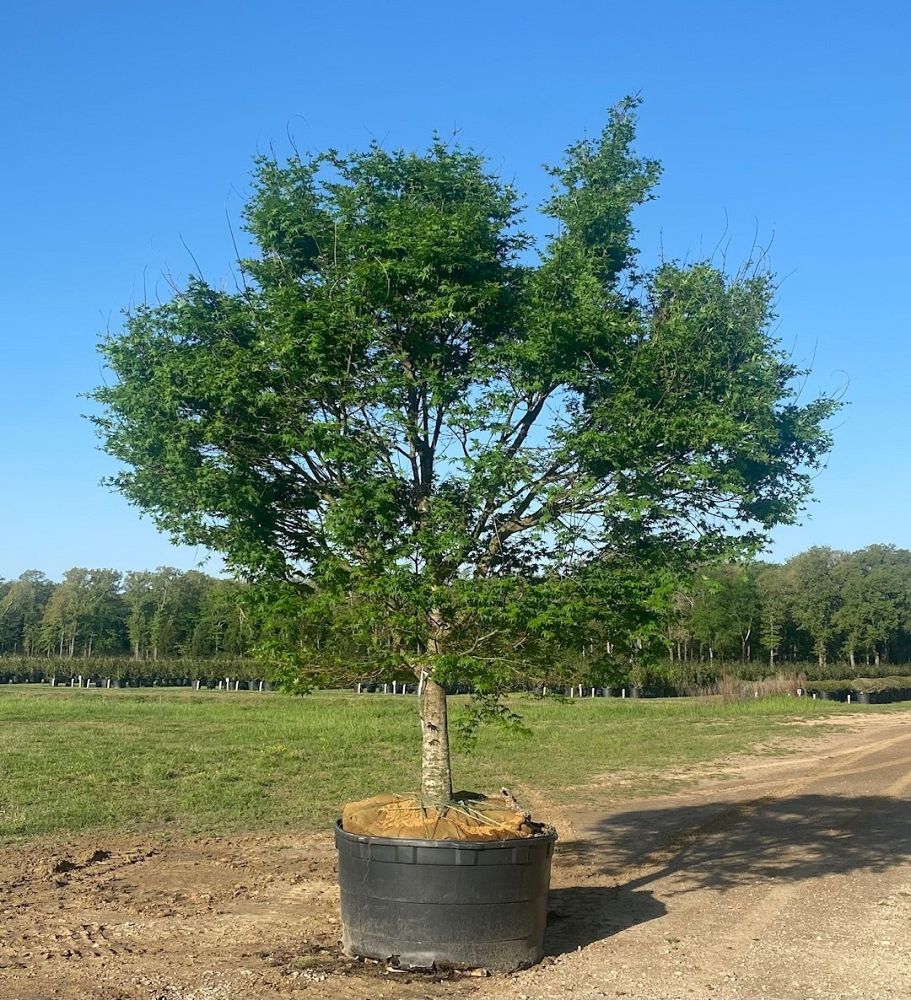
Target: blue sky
{"x": 129, "y": 131}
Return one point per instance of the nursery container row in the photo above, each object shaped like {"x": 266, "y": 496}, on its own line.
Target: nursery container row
{"x": 102, "y": 681}
{"x": 562, "y": 691}
{"x": 865, "y": 690}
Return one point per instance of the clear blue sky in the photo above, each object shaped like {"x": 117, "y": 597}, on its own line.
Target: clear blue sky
{"x": 129, "y": 128}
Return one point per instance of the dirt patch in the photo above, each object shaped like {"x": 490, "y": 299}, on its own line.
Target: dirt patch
{"x": 785, "y": 877}
{"x": 160, "y": 917}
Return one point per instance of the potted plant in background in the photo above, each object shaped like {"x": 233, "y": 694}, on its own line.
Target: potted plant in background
{"x": 462, "y": 445}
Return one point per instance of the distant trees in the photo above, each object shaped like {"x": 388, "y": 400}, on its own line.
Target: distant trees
{"x": 773, "y": 596}
{"x": 822, "y": 604}
{"x": 724, "y": 613}
{"x": 223, "y": 625}
{"x": 815, "y": 596}
{"x": 83, "y": 611}
{"x": 145, "y": 614}
{"x": 22, "y": 604}
{"x": 873, "y": 616}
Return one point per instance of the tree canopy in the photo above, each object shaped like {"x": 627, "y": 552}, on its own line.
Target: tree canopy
{"x": 411, "y": 400}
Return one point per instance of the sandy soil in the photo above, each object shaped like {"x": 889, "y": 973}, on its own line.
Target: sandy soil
{"x": 786, "y": 877}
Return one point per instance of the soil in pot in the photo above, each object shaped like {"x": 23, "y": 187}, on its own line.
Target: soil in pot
{"x": 469, "y": 817}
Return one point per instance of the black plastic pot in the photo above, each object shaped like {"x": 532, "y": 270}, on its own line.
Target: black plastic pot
{"x": 444, "y": 903}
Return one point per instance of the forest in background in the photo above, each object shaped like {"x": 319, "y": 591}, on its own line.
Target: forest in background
{"x": 835, "y": 613}
{"x": 146, "y": 615}
{"x": 823, "y": 604}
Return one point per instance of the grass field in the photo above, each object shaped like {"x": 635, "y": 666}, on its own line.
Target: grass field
{"x": 197, "y": 762}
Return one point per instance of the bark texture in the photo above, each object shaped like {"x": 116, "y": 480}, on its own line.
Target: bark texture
{"x": 436, "y": 771}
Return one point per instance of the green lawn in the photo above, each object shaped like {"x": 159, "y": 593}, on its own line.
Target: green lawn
{"x": 73, "y": 760}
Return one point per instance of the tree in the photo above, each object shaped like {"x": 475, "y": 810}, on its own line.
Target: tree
{"x": 875, "y": 591}
{"x": 723, "y": 612}
{"x": 409, "y": 401}
{"x": 85, "y": 612}
{"x": 21, "y": 610}
{"x": 139, "y": 595}
{"x": 774, "y": 599}
{"x": 222, "y": 624}
{"x": 816, "y": 595}
{"x": 164, "y": 608}
{"x": 178, "y": 598}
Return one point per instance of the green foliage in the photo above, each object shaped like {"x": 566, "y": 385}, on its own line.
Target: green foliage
{"x": 875, "y": 598}
{"x": 723, "y": 610}
{"x": 83, "y": 610}
{"x": 816, "y": 595}
{"x": 150, "y": 615}
{"x": 824, "y": 603}
{"x": 774, "y": 599}
{"x": 22, "y": 608}
{"x": 451, "y": 449}
{"x": 871, "y": 685}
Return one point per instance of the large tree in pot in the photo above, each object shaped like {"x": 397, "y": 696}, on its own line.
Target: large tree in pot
{"x": 410, "y": 403}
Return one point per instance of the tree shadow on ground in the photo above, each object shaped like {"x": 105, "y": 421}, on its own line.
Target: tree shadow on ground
{"x": 720, "y": 846}
{"x": 580, "y": 915}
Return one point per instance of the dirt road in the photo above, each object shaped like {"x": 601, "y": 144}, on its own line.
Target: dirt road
{"x": 788, "y": 878}
{"x": 791, "y": 879}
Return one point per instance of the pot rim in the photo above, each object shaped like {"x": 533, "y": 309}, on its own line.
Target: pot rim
{"x": 550, "y": 834}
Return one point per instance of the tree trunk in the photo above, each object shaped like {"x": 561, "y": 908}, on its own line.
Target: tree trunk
{"x": 745, "y": 644}
{"x": 436, "y": 770}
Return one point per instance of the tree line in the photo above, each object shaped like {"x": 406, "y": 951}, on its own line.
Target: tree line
{"x": 146, "y": 615}
{"x": 822, "y": 604}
